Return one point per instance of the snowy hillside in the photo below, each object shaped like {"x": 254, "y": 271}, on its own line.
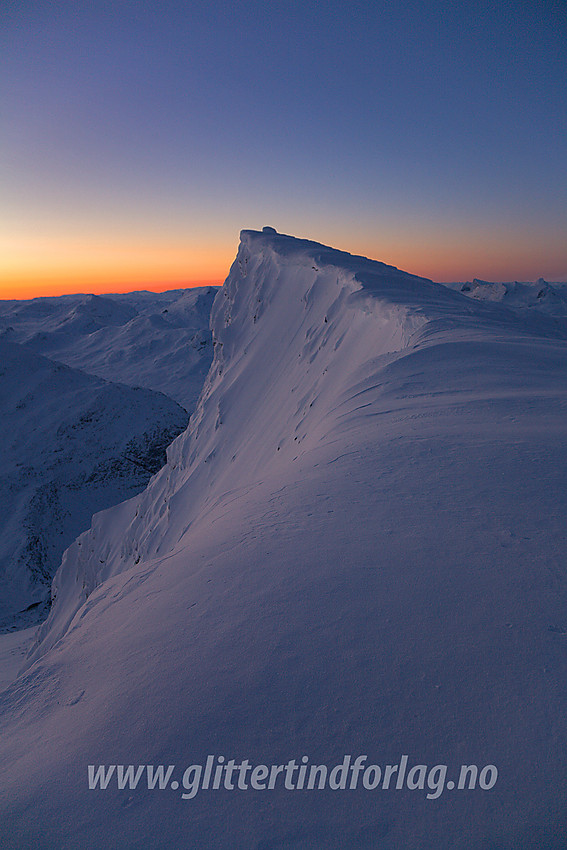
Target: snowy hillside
{"x": 157, "y": 340}
{"x": 71, "y": 445}
{"x": 357, "y": 547}
{"x": 548, "y": 298}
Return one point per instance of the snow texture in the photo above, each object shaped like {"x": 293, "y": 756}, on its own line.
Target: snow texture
{"x": 357, "y": 546}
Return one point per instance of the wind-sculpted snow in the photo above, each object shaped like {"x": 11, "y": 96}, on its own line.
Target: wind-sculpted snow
{"x": 357, "y": 546}
{"x": 292, "y": 328}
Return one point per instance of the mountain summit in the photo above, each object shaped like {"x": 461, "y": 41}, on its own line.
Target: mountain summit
{"x": 356, "y": 547}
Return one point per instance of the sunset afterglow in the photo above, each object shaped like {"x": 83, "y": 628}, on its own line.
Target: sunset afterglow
{"x": 139, "y": 139}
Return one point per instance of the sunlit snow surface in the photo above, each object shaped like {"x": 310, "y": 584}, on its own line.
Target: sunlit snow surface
{"x": 357, "y": 547}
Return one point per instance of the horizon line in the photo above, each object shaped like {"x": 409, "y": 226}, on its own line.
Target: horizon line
{"x": 29, "y": 292}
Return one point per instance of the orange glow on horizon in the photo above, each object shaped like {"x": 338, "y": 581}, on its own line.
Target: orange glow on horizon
{"x": 21, "y": 290}
{"x": 462, "y": 256}
{"x": 50, "y": 266}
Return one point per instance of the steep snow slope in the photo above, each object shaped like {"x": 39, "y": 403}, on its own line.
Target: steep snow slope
{"x": 156, "y": 340}
{"x": 357, "y": 547}
{"x": 71, "y": 445}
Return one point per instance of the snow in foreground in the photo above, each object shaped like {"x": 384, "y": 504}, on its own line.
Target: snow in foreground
{"x": 13, "y": 649}
{"x": 357, "y": 547}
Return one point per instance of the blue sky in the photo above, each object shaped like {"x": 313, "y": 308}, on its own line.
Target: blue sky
{"x": 140, "y": 137}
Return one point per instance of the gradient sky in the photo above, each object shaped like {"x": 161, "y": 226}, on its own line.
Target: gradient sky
{"x": 138, "y": 138}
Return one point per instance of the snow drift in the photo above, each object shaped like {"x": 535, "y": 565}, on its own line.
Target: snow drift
{"x": 357, "y": 546}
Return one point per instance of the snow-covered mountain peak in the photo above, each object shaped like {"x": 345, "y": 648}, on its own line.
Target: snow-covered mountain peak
{"x": 307, "y": 342}
{"x": 295, "y": 327}
{"x": 301, "y": 334}
{"x": 101, "y": 311}
{"x": 357, "y": 546}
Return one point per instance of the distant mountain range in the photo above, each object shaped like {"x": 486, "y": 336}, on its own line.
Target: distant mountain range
{"x": 157, "y": 340}
{"x": 78, "y": 438}
{"x": 549, "y": 298}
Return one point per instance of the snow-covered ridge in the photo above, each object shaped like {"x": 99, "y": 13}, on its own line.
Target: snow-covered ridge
{"x": 357, "y": 546}
{"x": 288, "y": 325}
{"x": 299, "y": 332}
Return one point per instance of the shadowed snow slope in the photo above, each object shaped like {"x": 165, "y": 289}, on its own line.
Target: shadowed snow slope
{"x": 357, "y": 547}
{"x": 157, "y": 340}
{"x": 71, "y": 445}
